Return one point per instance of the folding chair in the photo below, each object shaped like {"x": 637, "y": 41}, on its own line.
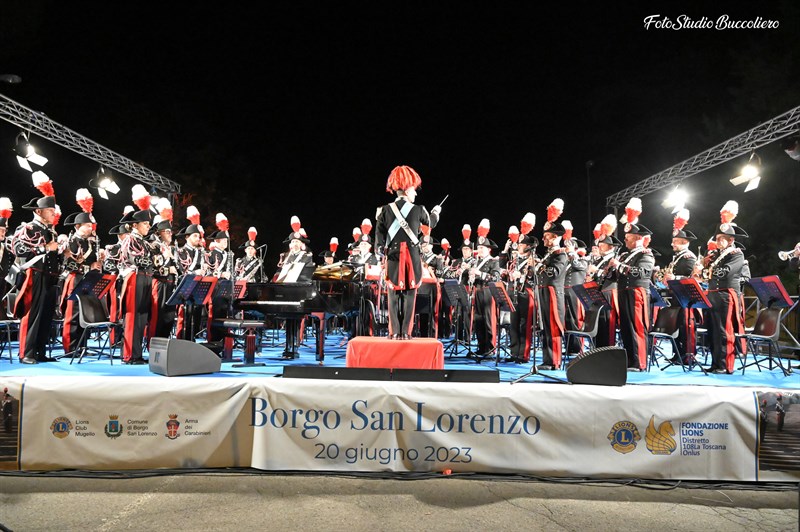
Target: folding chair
{"x": 93, "y": 317}
{"x": 9, "y": 323}
{"x": 766, "y": 331}
{"x": 665, "y": 328}
{"x": 588, "y": 332}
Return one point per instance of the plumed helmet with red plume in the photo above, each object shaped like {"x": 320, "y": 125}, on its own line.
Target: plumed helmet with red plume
{"x": 567, "y": 230}
{"x": 222, "y": 222}
{"x": 632, "y": 211}
{"x": 193, "y": 215}
{"x": 728, "y": 212}
{"x": 483, "y": 227}
{"x": 295, "y": 223}
{"x": 6, "y": 208}
{"x": 527, "y": 224}
{"x": 680, "y": 220}
{"x": 356, "y": 234}
{"x": 466, "y": 232}
{"x": 252, "y": 233}
{"x": 334, "y": 244}
{"x": 607, "y": 226}
{"x": 554, "y": 210}
{"x": 141, "y": 198}
{"x": 43, "y": 183}
{"x": 596, "y": 231}
{"x": 84, "y": 199}
{"x": 164, "y": 208}
{"x": 513, "y": 234}
{"x": 366, "y": 226}
{"x": 445, "y": 245}
{"x": 402, "y": 178}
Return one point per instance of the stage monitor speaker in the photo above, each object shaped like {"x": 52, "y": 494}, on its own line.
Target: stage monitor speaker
{"x": 445, "y": 375}
{"x": 322, "y": 372}
{"x": 172, "y": 357}
{"x": 606, "y": 366}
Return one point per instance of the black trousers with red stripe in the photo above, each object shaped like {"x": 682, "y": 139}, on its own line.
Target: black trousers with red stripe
{"x": 71, "y": 331}
{"x": 162, "y": 316}
{"x": 573, "y": 319}
{"x": 136, "y": 307}
{"x": 634, "y": 322}
{"x": 520, "y": 328}
{"x": 553, "y": 310}
{"x": 401, "y": 310}
{"x": 725, "y": 324}
{"x": 39, "y": 301}
{"x": 484, "y": 320}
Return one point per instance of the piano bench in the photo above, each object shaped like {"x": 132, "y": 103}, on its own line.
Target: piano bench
{"x": 250, "y": 327}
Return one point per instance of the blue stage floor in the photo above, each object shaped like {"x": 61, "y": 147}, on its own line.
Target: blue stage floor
{"x": 270, "y": 353}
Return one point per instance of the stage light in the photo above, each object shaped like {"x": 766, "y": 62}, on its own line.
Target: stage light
{"x": 26, "y": 153}
{"x": 750, "y": 174}
{"x": 676, "y": 200}
{"x": 104, "y": 183}
{"x": 792, "y": 147}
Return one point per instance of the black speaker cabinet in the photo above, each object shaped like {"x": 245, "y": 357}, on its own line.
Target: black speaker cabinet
{"x": 445, "y": 375}
{"x": 606, "y": 366}
{"x": 322, "y": 372}
{"x": 172, "y": 357}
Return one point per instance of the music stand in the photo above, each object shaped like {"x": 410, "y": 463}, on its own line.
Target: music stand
{"x": 455, "y": 295}
{"x": 503, "y": 303}
{"x": 770, "y": 291}
{"x": 534, "y": 370}
{"x": 689, "y": 295}
{"x": 589, "y": 294}
{"x": 95, "y": 283}
{"x": 656, "y": 299}
{"x": 192, "y": 290}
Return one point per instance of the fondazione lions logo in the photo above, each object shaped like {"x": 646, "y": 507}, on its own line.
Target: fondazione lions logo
{"x": 660, "y": 441}
{"x": 113, "y": 428}
{"x": 173, "y": 427}
{"x": 623, "y": 436}
{"x": 61, "y": 427}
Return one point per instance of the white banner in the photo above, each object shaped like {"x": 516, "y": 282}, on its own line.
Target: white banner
{"x": 633, "y": 431}
{"x": 133, "y": 423}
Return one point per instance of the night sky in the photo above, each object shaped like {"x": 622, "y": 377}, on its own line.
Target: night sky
{"x": 303, "y": 109}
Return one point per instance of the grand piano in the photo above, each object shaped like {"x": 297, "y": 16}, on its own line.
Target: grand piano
{"x": 317, "y": 297}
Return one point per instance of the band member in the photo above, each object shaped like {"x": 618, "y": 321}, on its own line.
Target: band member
{"x": 7, "y": 257}
{"x": 191, "y": 261}
{"x": 681, "y": 267}
{"x": 485, "y": 270}
{"x": 459, "y": 269}
{"x": 368, "y": 266}
{"x": 551, "y": 272}
{"x": 398, "y": 236}
{"x": 162, "y": 316}
{"x": 221, "y": 265}
{"x": 634, "y": 270}
{"x": 136, "y": 270}
{"x": 576, "y": 276}
{"x": 429, "y": 294}
{"x": 723, "y": 269}
{"x": 327, "y": 257}
{"x": 111, "y": 265}
{"x": 83, "y": 256}
{"x": 792, "y": 256}
{"x": 521, "y": 321}
{"x": 601, "y": 272}
{"x": 298, "y": 266}
{"x": 34, "y": 243}
{"x": 249, "y": 266}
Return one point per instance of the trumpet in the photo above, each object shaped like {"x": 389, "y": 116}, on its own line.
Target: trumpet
{"x": 786, "y": 255}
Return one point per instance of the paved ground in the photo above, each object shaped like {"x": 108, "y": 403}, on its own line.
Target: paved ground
{"x": 306, "y": 502}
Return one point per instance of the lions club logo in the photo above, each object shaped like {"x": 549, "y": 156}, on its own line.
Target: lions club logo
{"x": 113, "y": 428}
{"x": 623, "y": 436}
{"x": 660, "y": 441}
{"x": 61, "y": 427}
{"x": 173, "y": 427}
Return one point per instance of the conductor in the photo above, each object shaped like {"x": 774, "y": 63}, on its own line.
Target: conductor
{"x": 398, "y": 234}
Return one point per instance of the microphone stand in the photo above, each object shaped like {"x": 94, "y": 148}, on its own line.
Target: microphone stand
{"x": 538, "y": 322}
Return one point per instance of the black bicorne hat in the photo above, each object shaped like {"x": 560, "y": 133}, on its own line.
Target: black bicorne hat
{"x": 45, "y": 202}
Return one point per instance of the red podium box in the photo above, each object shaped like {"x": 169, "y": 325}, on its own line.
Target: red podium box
{"x": 380, "y": 352}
